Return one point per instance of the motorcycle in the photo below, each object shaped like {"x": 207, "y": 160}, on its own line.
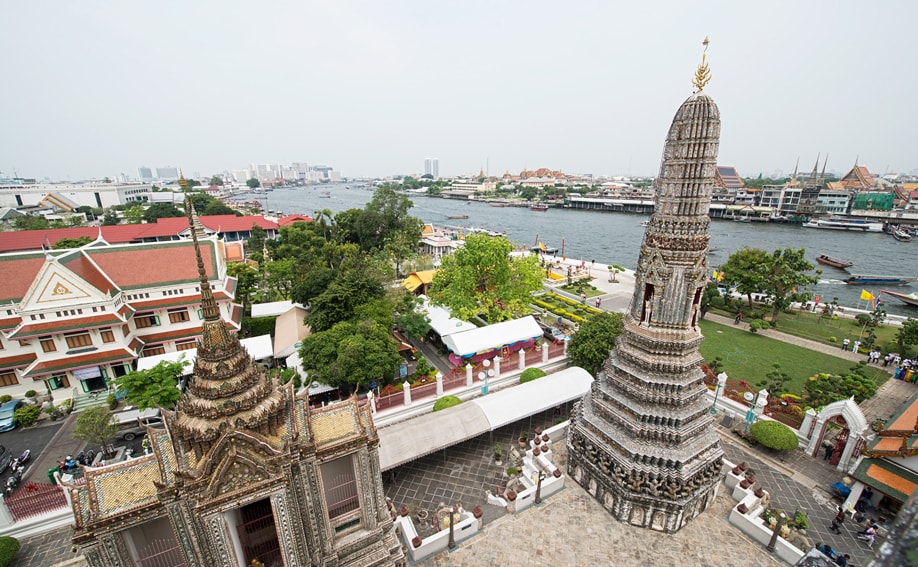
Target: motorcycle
{"x": 13, "y": 481}
{"x": 20, "y": 461}
{"x": 68, "y": 465}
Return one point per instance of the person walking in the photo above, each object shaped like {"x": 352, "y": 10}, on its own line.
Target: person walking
{"x": 855, "y": 346}
{"x": 845, "y": 343}
{"x": 838, "y": 521}
{"x": 738, "y": 318}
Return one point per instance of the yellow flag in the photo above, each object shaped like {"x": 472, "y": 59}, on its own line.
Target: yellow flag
{"x": 714, "y": 275}
{"x": 866, "y": 295}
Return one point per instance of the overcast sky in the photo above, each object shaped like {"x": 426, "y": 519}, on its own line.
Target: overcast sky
{"x": 93, "y": 89}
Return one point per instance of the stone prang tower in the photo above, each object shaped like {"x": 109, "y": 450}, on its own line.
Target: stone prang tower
{"x": 642, "y": 442}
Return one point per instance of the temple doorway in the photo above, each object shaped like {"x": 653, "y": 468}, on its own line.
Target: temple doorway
{"x": 258, "y": 534}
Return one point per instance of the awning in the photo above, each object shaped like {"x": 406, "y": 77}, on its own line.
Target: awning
{"x": 889, "y": 478}
{"x": 258, "y": 348}
{"x": 493, "y": 337}
{"x": 272, "y": 309}
{"x": 406, "y": 441}
{"x": 442, "y": 321}
{"x": 41, "y": 368}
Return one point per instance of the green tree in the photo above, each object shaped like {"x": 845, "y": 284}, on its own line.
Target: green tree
{"x": 824, "y": 389}
{"x": 338, "y": 303}
{"x": 96, "y": 425}
{"x": 31, "y": 222}
{"x": 351, "y": 353}
{"x": 71, "y": 242}
{"x": 711, "y": 297}
{"x": 907, "y": 334}
{"x": 216, "y": 180}
{"x": 775, "y": 380}
{"x": 253, "y": 183}
{"x": 481, "y": 278}
{"x": 312, "y": 284}
{"x": 218, "y": 207}
{"x": 280, "y": 276}
{"x": 152, "y": 388}
{"x": 134, "y": 215}
{"x": 257, "y": 238}
{"x": 410, "y": 319}
{"x": 160, "y": 211}
{"x": 774, "y": 435}
{"x": 247, "y": 278}
{"x": 590, "y": 345}
{"x": 786, "y": 279}
{"x": 745, "y": 270}
{"x": 110, "y": 218}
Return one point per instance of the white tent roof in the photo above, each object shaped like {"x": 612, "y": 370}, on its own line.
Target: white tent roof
{"x": 272, "y": 309}
{"x": 492, "y": 337}
{"x": 409, "y": 440}
{"x": 442, "y": 321}
{"x": 257, "y": 347}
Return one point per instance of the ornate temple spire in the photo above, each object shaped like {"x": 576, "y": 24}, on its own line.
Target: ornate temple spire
{"x": 703, "y": 73}
{"x": 208, "y": 305}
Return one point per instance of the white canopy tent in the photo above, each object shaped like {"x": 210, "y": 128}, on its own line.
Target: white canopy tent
{"x": 469, "y": 343}
{"x": 272, "y": 309}
{"x": 442, "y": 321}
{"x": 259, "y": 348}
{"x": 408, "y": 440}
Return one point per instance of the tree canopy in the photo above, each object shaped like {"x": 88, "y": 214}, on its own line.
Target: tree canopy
{"x": 152, "y": 388}
{"x": 780, "y": 275}
{"x": 481, "y": 278}
{"x": 908, "y": 333}
{"x": 252, "y": 183}
{"x": 95, "y": 425}
{"x": 161, "y": 211}
{"x": 351, "y": 353}
{"x": 72, "y": 242}
{"x": 590, "y": 345}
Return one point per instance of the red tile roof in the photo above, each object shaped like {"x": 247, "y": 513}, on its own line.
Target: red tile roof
{"x": 31, "y": 330}
{"x": 81, "y": 361}
{"x": 9, "y": 323}
{"x": 84, "y": 267}
{"x": 156, "y": 338}
{"x": 124, "y": 233}
{"x": 175, "y": 301}
{"x": 161, "y": 263}
{"x": 290, "y": 219}
{"x": 17, "y": 361}
{"x": 19, "y": 272}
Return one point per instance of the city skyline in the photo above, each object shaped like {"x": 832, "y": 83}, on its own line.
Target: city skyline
{"x": 370, "y": 88}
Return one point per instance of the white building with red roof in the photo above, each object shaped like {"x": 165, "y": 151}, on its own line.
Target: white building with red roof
{"x": 70, "y": 320}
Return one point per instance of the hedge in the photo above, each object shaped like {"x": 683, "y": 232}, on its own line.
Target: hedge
{"x": 9, "y": 547}
{"x": 774, "y": 435}
{"x": 27, "y": 415}
{"x": 446, "y": 402}
{"x": 531, "y": 374}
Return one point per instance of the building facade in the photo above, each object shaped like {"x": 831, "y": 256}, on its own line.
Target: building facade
{"x": 72, "y": 320}
{"x": 244, "y": 474}
{"x": 642, "y": 442}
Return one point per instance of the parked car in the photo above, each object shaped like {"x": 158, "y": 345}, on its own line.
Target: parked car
{"x": 132, "y": 423}
{"x": 7, "y": 421}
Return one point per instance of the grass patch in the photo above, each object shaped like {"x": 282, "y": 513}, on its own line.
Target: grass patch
{"x": 747, "y": 356}
{"x": 575, "y": 288}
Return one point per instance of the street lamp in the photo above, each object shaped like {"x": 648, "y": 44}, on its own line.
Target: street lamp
{"x": 452, "y": 538}
{"x": 774, "y": 533}
{"x": 482, "y": 377}
{"x": 721, "y": 382}
{"x": 750, "y": 413}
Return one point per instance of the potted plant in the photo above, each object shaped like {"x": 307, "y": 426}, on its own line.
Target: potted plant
{"x": 422, "y": 518}
{"x": 523, "y": 440}
{"x": 498, "y": 454}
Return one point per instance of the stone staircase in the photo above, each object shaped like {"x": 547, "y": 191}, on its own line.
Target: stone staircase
{"x": 83, "y": 400}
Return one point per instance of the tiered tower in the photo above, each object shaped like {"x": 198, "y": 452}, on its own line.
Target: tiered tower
{"x": 642, "y": 442}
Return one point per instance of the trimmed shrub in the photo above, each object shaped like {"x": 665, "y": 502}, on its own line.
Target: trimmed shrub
{"x": 5, "y": 398}
{"x": 9, "y": 547}
{"x": 446, "y": 402}
{"x": 774, "y": 435}
{"x": 531, "y": 374}
{"x": 27, "y": 415}
{"x": 30, "y": 393}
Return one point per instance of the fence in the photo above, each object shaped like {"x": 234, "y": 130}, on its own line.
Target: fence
{"x": 161, "y": 553}
{"x": 35, "y": 499}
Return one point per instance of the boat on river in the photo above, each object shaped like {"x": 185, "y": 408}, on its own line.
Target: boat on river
{"x": 834, "y": 262}
{"x": 908, "y": 299}
{"x": 879, "y": 280}
{"x": 538, "y": 207}
{"x": 902, "y": 236}
{"x": 542, "y": 248}
{"x": 840, "y": 223}
{"x": 457, "y": 216}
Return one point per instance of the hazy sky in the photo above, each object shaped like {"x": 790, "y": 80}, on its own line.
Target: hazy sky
{"x": 98, "y": 88}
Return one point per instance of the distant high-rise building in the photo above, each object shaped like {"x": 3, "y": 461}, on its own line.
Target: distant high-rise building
{"x": 145, "y": 174}
{"x": 167, "y": 172}
{"x": 432, "y": 166}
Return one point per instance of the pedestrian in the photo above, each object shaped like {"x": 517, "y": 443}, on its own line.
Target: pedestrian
{"x": 845, "y": 343}
{"x": 598, "y": 302}
{"x": 582, "y": 297}
{"x": 838, "y": 521}
{"x": 828, "y": 448}
{"x": 738, "y": 318}
{"x": 855, "y": 346}
{"x": 843, "y": 560}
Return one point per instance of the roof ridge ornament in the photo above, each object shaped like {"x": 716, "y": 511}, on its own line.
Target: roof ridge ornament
{"x": 703, "y": 73}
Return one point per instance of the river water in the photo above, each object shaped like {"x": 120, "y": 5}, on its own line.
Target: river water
{"x": 615, "y": 238}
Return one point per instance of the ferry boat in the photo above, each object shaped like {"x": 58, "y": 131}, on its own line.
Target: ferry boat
{"x": 881, "y": 280}
{"x": 645, "y": 223}
{"x": 908, "y": 299}
{"x": 539, "y": 207}
{"x": 834, "y": 262}
{"x": 541, "y": 247}
{"x": 839, "y": 223}
{"x": 902, "y": 236}
{"x": 457, "y": 216}
{"x": 498, "y": 204}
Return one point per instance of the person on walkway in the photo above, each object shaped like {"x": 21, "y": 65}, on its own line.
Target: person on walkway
{"x": 843, "y": 560}
{"x": 582, "y": 297}
{"x": 828, "y": 448}
{"x": 855, "y": 346}
{"x": 738, "y": 318}
{"x": 845, "y": 343}
{"x": 838, "y": 521}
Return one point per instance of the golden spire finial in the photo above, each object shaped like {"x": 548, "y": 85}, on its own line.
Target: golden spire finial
{"x": 703, "y": 73}
{"x": 181, "y": 181}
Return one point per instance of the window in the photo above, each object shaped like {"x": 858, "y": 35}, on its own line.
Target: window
{"x": 185, "y": 345}
{"x": 107, "y": 335}
{"x": 146, "y": 320}
{"x": 154, "y": 350}
{"x": 77, "y": 340}
{"x": 47, "y": 344}
{"x": 58, "y": 381}
{"x": 178, "y": 315}
{"x": 8, "y": 378}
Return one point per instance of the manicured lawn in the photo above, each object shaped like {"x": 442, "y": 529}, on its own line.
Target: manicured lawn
{"x": 811, "y": 326}
{"x": 588, "y": 289}
{"x": 748, "y": 356}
